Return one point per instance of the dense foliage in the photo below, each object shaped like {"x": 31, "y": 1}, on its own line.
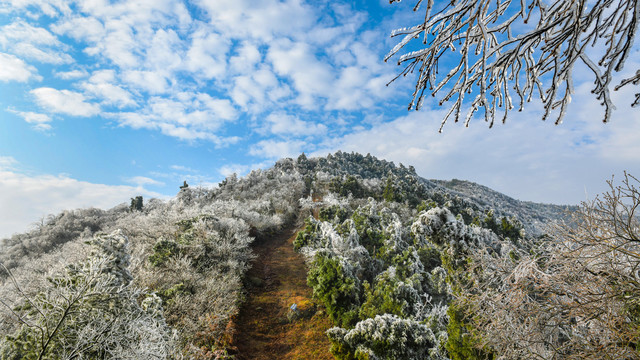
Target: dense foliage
{"x": 387, "y": 274}
{"x": 405, "y": 267}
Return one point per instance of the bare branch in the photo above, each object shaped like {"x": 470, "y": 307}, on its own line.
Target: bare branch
{"x": 494, "y": 37}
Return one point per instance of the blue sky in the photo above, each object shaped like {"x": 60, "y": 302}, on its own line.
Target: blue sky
{"x": 104, "y": 100}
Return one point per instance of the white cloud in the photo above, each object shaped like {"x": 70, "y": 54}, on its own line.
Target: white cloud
{"x": 246, "y": 58}
{"x": 153, "y": 82}
{"x": 7, "y": 162}
{"x": 220, "y": 108}
{"x": 71, "y": 75}
{"x": 187, "y": 116}
{"x": 21, "y": 31}
{"x": 259, "y": 90}
{"x": 34, "y": 118}
{"x": 185, "y": 133}
{"x": 34, "y": 43}
{"x": 207, "y": 54}
{"x": 26, "y": 198}
{"x": 258, "y": 57}
{"x": 65, "y": 102}
{"x": 14, "y": 69}
{"x": 358, "y": 88}
{"x": 182, "y": 113}
{"x": 143, "y": 180}
{"x": 164, "y": 51}
{"x": 284, "y": 124}
{"x": 311, "y": 77}
{"x": 39, "y": 121}
{"x": 230, "y": 169}
{"x": 129, "y": 34}
{"x": 48, "y": 7}
{"x": 81, "y": 28}
{"x": 102, "y": 85}
{"x": 277, "y": 149}
{"x": 118, "y": 45}
{"x": 182, "y": 128}
{"x": 31, "y": 51}
{"x": 262, "y": 20}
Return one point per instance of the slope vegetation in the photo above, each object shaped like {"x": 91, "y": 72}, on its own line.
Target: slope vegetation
{"x": 387, "y": 265}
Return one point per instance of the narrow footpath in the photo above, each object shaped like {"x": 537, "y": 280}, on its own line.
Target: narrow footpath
{"x": 266, "y": 327}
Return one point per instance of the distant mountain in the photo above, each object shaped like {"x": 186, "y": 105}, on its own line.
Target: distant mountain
{"x": 534, "y": 216}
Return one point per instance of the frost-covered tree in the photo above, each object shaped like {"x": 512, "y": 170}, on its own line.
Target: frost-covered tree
{"x": 494, "y": 49}
{"x": 575, "y": 296}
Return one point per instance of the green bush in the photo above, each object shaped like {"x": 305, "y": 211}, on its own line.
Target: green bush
{"x": 136, "y": 204}
{"x": 332, "y": 213}
{"x": 463, "y": 343}
{"x": 369, "y": 230}
{"x": 305, "y": 235}
{"x": 337, "y": 291}
{"x": 389, "y": 193}
{"x": 163, "y": 250}
{"x": 390, "y": 295}
{"x": 351, "y": 185}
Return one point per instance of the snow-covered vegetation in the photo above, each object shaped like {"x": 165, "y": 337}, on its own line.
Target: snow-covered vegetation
{"x": 406, "y": 268}
{"x": 385, "y": 269}
{"x": 507, "y": 52}
{"x": 188, "y": 255}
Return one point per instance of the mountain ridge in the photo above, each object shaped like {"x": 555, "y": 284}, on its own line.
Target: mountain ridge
{"x": 533, "y": 215}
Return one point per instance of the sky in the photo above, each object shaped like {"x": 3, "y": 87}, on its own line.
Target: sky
{"x": 104, "y": 100}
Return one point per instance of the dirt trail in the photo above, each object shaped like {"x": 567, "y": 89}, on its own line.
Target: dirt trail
{"x": 276, "y": 281}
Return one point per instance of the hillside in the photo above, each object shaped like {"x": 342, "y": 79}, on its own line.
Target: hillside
{"x": 211, "y": 273}
{"x": 534, "y": 216}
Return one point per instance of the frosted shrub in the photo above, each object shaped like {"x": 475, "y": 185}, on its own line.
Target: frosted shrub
{"x": 571, "y": 295}
{"x": 90, "y": 311}
{"x": 334, "y": 283}
{"x": 50, "y": 233}
{"x": 391, "y": 294}
{"x": 383, "y": 337}
{"x": 440, "y": 227}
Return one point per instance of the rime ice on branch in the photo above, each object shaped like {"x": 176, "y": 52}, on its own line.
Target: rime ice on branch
{"x": 528, "y": 48}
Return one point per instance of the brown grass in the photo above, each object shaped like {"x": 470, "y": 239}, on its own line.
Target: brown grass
{"x": 263, "y": 331}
